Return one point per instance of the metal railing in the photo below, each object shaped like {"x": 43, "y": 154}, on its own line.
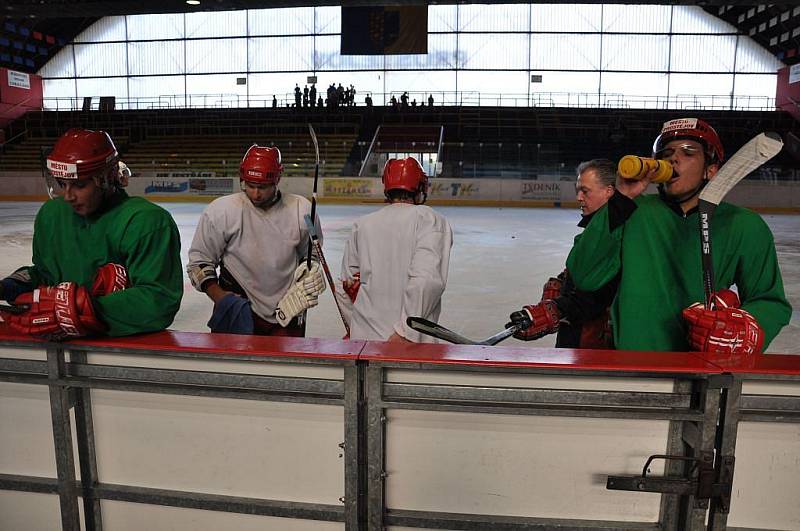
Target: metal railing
{"x": 594, "y": 100}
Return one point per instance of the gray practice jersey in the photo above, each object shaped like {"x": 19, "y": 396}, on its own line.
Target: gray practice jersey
{"x": 402, "y": 252}
{"x": 260, "y": 248}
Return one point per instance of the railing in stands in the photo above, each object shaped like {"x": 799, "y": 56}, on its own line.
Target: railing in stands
{"x": 460, "y": 98}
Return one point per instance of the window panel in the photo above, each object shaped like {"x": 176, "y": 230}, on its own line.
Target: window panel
{"x": 755, "y": 91}
{"x": 327, "y": 57}
{"x": 281, "y": 21}
{"x": 99, "y": 87}
{"x": 440, "y": 55}
{"x": 104, "y": 30}
{"x": 565, "y": 52}
{"x": 107, "y": 59}
{"x": 271, "y": 54}
{"x": 363, "y": 82}
{"x": 219, "y": 90}
{"x": 651, "y": 52}
{"x": 636, "y": 18}
{"x": 328, "y": 19}
{"x": 693, "y": 19}
{"x": 752, "y": 57}
{"x": 157, "y": 92}
{"x": 442, "y": 18}
{"x": 569, "y": 17}
{"x": 160, "y": 57}
{"x": 281, "y": 85}
{"x": 702, "y": 53}
{"x": 706, "y": 91}
{"x": 493, "y": 17}
{"x": 566, "y": 89}
{"x": 216, "y": 55}
{"x": 496, "y": 88}
{"x": 60, "y": 65}
{"x": 419, "y": 85}
{"x": 216, "y": 24}
{"x": 162, "y": 26}
{"x": 641, "y": 91}
{"x": 58, "y": 94}
{"x": 493, "y": 50}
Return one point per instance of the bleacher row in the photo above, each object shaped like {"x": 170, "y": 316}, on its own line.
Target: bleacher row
{"x": 477, "y": 142}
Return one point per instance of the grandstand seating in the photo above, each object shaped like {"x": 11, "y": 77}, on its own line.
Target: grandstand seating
{"x": 478, "y": 141}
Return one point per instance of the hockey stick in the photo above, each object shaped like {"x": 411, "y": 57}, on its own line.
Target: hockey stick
{"x": 312, "y": 231}
{"x": 14, "y": 309}
{"x": 313, "y": 193}
{"x": 438, "y": 331}
{"x": 756, "y": 152}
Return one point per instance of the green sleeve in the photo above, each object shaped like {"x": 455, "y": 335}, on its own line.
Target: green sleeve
{"x": 759, "y": 282}
{"x": 154, "y": 269}
{"x": 595, "y": 258}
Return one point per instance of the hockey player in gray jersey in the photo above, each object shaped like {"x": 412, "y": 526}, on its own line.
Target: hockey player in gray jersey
{"x": 396, "y": 260}
{"x": 258, "y": 240}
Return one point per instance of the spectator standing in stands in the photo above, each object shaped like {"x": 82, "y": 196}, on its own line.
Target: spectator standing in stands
{"x": 351, "y": 100}
{"x": 320, "y": 102}
{"x": 340, "y": 95}
{"x": 393, "y": 102}
{"x": 404, "y": 99}
{"x": 581, "y": 319}
{"x": 430, "y": 100}
{"x": 396, "y": 260}
{"x": 312, "y": 94}
{"x": 297, "y": 96}
{"x": 368, "y": 101}
{"x": 274, "y": 102}
{"x": 653, "y": 243}
{"x": 103, "y": 262}
{"x": 259, "y": 241}
{"x": 305, "y": 96}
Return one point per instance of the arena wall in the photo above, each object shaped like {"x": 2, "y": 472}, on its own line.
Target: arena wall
{"x": 205, "y": 186}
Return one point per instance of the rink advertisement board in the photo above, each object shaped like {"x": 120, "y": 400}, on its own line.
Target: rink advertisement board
{"x": 355, "y": 188}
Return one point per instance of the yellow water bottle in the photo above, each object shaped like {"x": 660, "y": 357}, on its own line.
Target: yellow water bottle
{"x": 633, "y": 167}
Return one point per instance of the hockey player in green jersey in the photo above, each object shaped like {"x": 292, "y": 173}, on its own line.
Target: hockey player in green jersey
{"x": 103, "y": 262}
{"x": 653, "y": 241}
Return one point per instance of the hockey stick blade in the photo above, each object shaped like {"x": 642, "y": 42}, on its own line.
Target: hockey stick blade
{"x": 753, "y": 154}
{"x": 440, "y": 332}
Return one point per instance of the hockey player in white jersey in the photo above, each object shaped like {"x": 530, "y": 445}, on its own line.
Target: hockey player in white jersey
{"x": 259, "y": 241}
{"x": 396, "y": 260}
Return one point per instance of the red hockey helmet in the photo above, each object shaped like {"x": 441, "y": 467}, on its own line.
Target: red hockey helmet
{"x": 81, "y": 154}
{"x": 691, "y": 129}
{"x": 404, "y": 174}
{"x": 261, "y": 165}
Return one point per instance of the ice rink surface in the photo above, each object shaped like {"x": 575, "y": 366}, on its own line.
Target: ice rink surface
{"x": 501, "y": 257}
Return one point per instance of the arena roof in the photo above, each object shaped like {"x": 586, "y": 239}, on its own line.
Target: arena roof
{"x": 42, "y": 27}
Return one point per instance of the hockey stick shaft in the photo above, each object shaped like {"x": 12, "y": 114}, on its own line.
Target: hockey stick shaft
{"x": 314, "y": 190}
{"x": 440, "y": 332}
{"x": 753, "y": 154}
{"x": 314, "y": 241}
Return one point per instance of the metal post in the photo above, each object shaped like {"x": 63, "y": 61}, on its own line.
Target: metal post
{"x": 355, "y": 449}
{"x": 62, "y": 439}
{"x": 87, "y": 455}
{"x": 376, "y": 449}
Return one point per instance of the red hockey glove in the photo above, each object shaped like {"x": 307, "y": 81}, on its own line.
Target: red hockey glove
{"x": 552, "y": 288}
{"x": 351, "y": 286}
{"x": 56, "y": 312}
{"x": 543, "y": 319}
{"x": 110, "y": 278}
{"x": 724, "y": 330}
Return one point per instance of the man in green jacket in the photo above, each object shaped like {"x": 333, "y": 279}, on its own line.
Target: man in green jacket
{"x": 103, "y": 262}
{"x": 653, "y": 242}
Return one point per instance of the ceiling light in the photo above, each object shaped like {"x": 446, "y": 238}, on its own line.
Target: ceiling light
{"x": 193, "y": 2}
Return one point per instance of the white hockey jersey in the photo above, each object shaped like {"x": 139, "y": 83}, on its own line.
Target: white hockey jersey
{"x": 402, "y": 252}
{"x": 260, "y": 248}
